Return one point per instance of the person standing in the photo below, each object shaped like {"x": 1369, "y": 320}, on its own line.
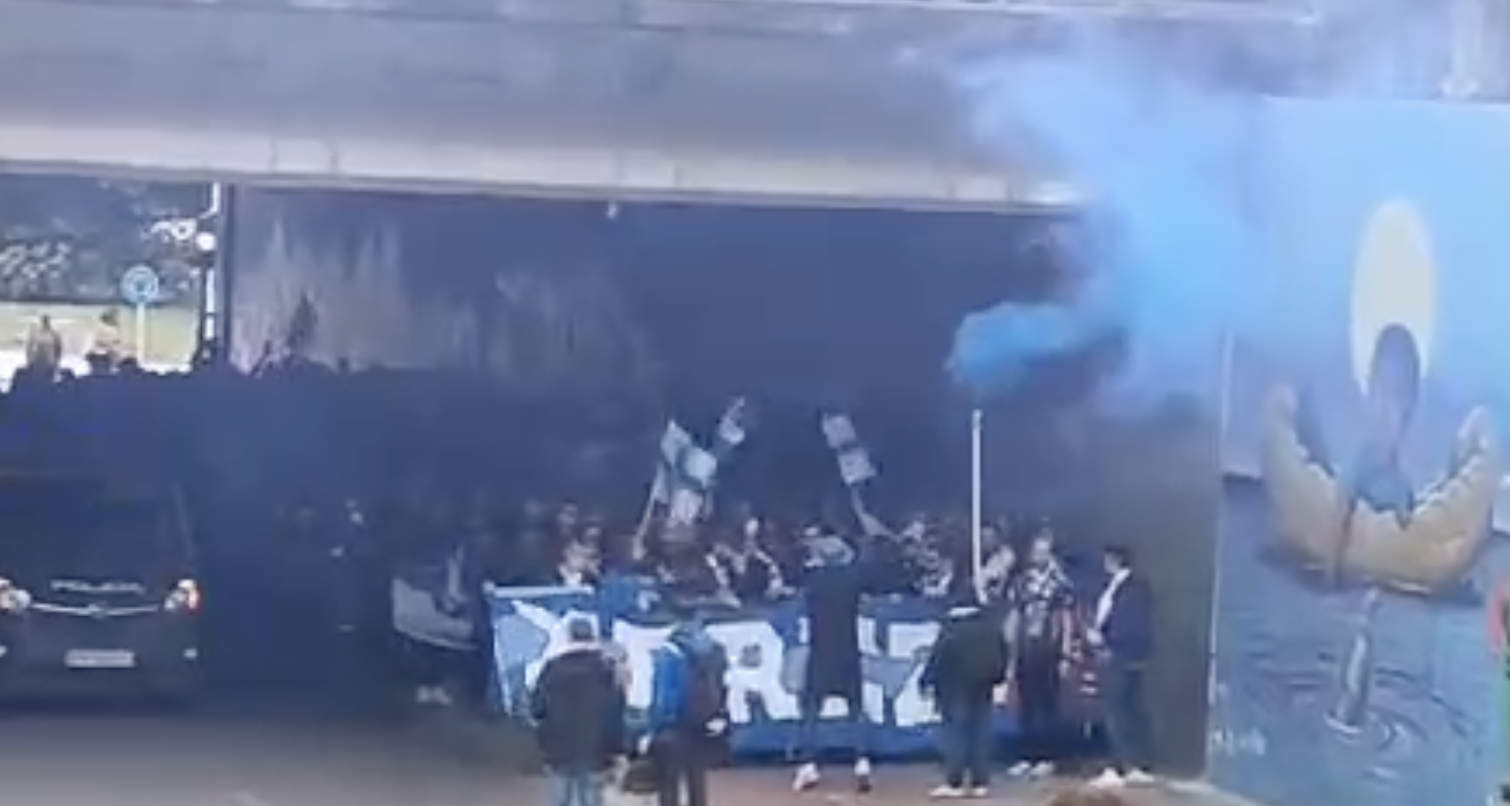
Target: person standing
{"x": 688, "y": 714}
{"x": 832, "y": 588}
{"x": 1123, "y": 639}
{"x": 967, "y": 662}
{"x": 44, "y": 348}
{"x": 105, "y": 344}
{"x": 1040, "y": 617}
{"x": 578, "y": 707}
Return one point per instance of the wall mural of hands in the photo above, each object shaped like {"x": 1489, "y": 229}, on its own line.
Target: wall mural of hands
{"x": 1422, "y": 549}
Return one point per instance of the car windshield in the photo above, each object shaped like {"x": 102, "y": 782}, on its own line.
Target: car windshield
{"x": 80, "y": 526}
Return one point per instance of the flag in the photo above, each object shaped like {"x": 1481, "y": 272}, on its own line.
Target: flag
{"x": 686, "y": 472}
{"x": 855, "y": 466}
{"x": 675, "y": 443}
{"x": 731, "y": 429}
{"x": 693, "y": 483}
{"x": 684, "y": 475}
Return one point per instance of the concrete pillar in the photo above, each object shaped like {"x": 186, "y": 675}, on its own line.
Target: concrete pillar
{"x": 1479, "y": 61}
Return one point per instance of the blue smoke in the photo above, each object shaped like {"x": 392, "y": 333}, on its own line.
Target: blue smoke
{"x": 1168, "y": 238}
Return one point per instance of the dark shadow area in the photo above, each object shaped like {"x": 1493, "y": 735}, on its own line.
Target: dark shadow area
{"x": 413, "y": 377}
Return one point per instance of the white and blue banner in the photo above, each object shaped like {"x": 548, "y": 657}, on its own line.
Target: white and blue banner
{"x": 432, "y": 604}
{"x": 767, "y": 654}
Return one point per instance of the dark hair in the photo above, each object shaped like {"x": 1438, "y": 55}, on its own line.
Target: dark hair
{"x": 1121, "y": 555}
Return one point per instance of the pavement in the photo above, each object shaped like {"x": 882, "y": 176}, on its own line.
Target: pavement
{"x": 266, "y": 759}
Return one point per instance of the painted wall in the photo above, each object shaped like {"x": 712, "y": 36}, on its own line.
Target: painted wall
{"x": 1368, "y": 397}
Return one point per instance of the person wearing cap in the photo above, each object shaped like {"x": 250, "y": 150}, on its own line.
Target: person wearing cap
{"x": 967, "y": 662}
{"x": 578, "y": 707}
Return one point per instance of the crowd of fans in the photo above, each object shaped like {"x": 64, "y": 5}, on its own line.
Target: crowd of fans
{"x": 389, "y": 468}
{"x": 537, "y": 491}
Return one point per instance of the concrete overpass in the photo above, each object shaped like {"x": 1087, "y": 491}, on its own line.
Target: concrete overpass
{"x": 819, "y": 101}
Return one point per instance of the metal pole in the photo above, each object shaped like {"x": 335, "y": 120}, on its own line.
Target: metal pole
{"x": 977, "y": 550}
{"x": 141, "y": 334}
{"x": 1216, "y": 697}
{"x": 226, "y": 205}
{"x": 1224, "y": 401}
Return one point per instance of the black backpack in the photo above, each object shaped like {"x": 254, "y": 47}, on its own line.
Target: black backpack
{"x": 707, "y": 694}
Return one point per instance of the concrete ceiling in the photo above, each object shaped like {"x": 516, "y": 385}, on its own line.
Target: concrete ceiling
{"x": 807, "y": 80}
{"x": 830, "y": 83}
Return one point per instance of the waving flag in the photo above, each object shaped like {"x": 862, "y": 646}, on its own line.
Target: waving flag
{"x": 676, "y": 443}
{"x": 854, "y": 460}
{"x": 686, "y": 472}
{"x": 731, "y": 429}
{"x": 692, "y": 484}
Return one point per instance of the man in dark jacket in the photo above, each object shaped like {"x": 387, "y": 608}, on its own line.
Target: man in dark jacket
{"x": 832, "y": 586}
{"x": 968, "y": 661}
{"x": 578, "y": 707}
{"x": 1122, "y": 636}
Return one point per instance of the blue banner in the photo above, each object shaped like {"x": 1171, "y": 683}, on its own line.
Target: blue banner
{"x": 767, "y": 655}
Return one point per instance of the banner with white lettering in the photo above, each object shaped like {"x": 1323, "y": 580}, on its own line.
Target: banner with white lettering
{"x": 767, "y": 654}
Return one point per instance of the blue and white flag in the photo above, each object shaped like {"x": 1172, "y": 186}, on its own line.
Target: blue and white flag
{"x": 692, "y": 485}
{"x": 676, "y": 443}
{"x": 855, "y": 466}
{"x": 731, "y": 429}
{"x": 686, "y": 472}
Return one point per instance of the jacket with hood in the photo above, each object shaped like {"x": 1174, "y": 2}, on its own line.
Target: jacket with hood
{"x": 969, "y": 658}
{"x": 578, "y": 708}
{"x": 672, "y": 668}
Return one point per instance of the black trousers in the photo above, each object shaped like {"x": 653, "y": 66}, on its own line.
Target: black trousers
{"x": 1127, "y": 723}
{"x": 681, "y": 764}
{"x": 1038, "y": 692}
{"x": 965, "y": 739}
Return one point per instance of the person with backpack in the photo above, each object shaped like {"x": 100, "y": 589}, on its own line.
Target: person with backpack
{"x": 688, "y": 714}
{"x": 968, "y": 661}
{"x": 578, "y": 707}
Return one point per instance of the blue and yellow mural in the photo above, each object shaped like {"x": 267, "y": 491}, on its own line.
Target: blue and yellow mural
{"x": 1368, "y": 401}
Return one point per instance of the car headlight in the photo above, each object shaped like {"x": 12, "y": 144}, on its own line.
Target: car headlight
{"x": 184, "y": 598}
{"x": 13, "y": 599}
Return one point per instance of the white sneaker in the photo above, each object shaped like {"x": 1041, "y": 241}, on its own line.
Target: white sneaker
{"x": 979, "y": 792}
{"x": 1043, "y": 769}
{"x": 807, "y": 777}
{"x": 946, "y": 792}
{"x": 1139, "y": 778}
{"x": 1108, "y": 779}
{"x": 862, "y": 775}
{"x": 1021, "y": 769}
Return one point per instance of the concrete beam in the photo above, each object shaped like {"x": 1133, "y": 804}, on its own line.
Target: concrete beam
{"x": 537, "y": 169}
{"x": 554, "y": 108}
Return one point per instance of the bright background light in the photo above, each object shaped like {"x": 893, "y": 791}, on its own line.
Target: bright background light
{"x": 1394, "y": 283}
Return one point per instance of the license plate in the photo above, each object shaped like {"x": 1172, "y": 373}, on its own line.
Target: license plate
{"x": 100, "y": 659}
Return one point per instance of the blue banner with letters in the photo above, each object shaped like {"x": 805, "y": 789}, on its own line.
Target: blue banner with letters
{"x": 766, "y": 652}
